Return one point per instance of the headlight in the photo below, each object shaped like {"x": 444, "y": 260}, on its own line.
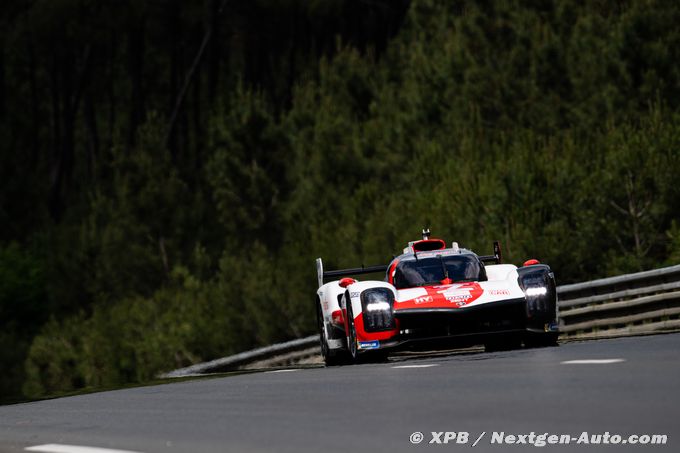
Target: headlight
{"x": 539, "y": 288}
{"x": 376, "y": 304}
{"x": 536, "y": 291}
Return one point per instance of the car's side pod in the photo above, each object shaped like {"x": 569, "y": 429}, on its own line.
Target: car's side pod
{"x": 538, "y": 283}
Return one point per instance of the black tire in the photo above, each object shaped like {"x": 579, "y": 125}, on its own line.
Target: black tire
{"x": 330, "y": 358}
{"x": 352, "y": 347}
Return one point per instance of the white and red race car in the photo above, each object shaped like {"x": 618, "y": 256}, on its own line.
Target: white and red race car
{"x": 434, "y": 297}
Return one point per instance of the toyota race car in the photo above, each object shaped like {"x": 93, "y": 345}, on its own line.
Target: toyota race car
{"x": 434, "y": 297}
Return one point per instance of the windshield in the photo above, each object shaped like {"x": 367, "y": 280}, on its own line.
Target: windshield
{"x": 430, "y": 271}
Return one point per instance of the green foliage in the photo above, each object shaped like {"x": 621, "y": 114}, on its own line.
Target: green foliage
{"x": 23, "y": 308}
{"x": 128, "y": 250}
{"x": 135, "y": 338}
{"x": 247, "y": 170}
{"x": 637, "y": 196}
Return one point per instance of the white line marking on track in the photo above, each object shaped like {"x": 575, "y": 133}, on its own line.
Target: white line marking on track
{"x": 428, "y": 365}
{"x": 592, "y": 361}
{"x": 59, "y": 448}
{"x": 282, "y": 371}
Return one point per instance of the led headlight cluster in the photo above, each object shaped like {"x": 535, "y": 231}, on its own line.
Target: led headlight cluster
{"x": 377, "y": 304}
{"x": 539, "y": 288}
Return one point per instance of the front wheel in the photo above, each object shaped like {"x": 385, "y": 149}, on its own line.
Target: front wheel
{"x": 352, "y": 346}
{"x": 330, "y": 357}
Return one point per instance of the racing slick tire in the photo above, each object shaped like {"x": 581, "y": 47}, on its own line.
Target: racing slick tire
{"x": 330, "y": 357}
{"x": 352, "y": 346}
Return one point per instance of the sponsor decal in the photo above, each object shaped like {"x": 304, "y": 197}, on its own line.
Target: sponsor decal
{"x": 354, "y": 294}
{"x": 369, "y": 344}
{"x": 441, "y": 296}
{"x": 457, "y": 297}
{"x": 460, "y": 295}
{"x": 423, "y": 300}
{"x": 499, "y": 292}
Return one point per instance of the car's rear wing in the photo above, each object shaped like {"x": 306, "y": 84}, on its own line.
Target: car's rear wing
{"x": 322, "y": 276}
{"x": 497, "y": 256}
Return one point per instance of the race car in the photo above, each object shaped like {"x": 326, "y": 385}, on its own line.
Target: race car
{"x": 434, "y": 297}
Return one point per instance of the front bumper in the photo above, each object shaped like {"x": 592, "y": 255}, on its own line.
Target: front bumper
{"x": 442, "y": 328}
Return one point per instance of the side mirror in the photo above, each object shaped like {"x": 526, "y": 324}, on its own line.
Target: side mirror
{"x": 345, "y": 282}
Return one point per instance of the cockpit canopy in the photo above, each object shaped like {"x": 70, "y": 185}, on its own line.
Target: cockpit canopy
{"x": 434, "y": 269}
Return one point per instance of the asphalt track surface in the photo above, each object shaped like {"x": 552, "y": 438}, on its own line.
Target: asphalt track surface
{"x": 376, "y": 407}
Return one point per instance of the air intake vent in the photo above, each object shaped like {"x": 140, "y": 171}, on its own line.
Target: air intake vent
{"x": 428, "y": 244}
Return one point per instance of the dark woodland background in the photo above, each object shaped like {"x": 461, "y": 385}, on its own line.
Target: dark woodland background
{"x": 171, "y": 169}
